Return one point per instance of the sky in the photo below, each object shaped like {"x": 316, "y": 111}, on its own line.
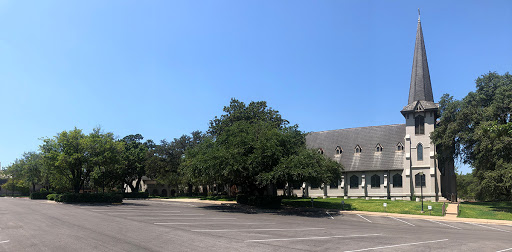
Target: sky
{"x": 165, "y": 68}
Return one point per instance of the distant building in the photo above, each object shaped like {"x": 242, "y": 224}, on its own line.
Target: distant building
{"x": 390, "y": 161}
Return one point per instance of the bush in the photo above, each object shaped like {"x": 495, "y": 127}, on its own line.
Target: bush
{"x": 136, "y": 195}
{"x": 272, "y": 202}
{"x": 39, "y": 195}
{"x": 89, "y": 198}
{"x": 52, "y": 196}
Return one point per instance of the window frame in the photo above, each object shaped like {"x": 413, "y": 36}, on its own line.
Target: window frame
{"x": 375, "y": 181}
{"x": 354, "y": 183}
{"x": 419, "y": 125}
{"x": 419, "y": 179}
{"x": 397, "y": 178}
{"x": 419, "y": 152}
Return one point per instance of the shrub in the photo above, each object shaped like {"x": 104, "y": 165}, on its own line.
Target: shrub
{"x": 39, "y": 195}
{"x": 52, "y": 196}
{"x": 89, "y": 198}
{"x": 264, "y": 201}
{"x": 134, "y": 195}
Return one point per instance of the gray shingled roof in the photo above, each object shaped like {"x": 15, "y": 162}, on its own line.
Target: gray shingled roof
{"x": 421, "y": 89}
{"x": 427, "y": 105}
{"x": 367, "y": 137}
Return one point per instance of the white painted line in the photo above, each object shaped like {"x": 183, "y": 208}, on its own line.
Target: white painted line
{"x": 211, "y": 223}
{"x": 398, "y": 245}
{"x": 181, "y": 218}
{"x": 444, "y": 224}
{"x": 135, "y": 211}
{"x": 505, "y": 249}
{"x": 262, "y": 229}
{"x": 363, "y": 218}
{"x": 4, "y": 241}
{"x": 312, "y": 238}
{"x": 401, "y": 221}
{"x": 155, "y": 214}
{"x": 487, "y": 227}
{"x": 330, "y": 216}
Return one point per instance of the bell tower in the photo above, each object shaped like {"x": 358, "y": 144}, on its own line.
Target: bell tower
{"x": 420, "y": 164}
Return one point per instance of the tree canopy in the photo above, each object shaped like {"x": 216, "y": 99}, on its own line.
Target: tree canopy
{"x": 252, "y": 146}
{"x": 478, "y": 131}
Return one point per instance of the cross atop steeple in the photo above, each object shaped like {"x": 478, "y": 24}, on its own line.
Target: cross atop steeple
{"x": 421, "y": 89}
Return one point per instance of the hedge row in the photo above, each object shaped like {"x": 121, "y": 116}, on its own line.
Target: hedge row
{"x": 88, "y": 198}
{"x": 39, "y": 195}
{"x": 273, "y": 202}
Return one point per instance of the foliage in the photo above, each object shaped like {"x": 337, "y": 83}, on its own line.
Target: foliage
{"x": 467, "y": 186}
{"x": 40, "y": 195}
{"x": 52, "y": 196}
{"x": 134, "y": 160}
{"x": 73, "y": 159}
{"x": 486, "y": 210}
{"x": 89, "y": 198}
{"x": 253, "y": 147}
{"x": 19, "y": 186}
{"x": 478, "y": 130}
{"x": 374, "y": 205}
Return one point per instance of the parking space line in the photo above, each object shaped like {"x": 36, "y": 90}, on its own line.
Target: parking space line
{"x": 397, "y": 245}
{"x": 210, "y": 223}
{"x": 156, "y": 214}
{"x": 364, "y": 218}
{"x": 261, "y": 229}
{"x": 312, "y": 238}
{"x": 487, "y": 227}
{"x": 401, "y": 221}
{"x": 444, "y": 224}
{"x": 180, "y": 218}
{"x": 141, "y": 210}
{"x": 4, "y": 241}
{"x": 504, "y": 250}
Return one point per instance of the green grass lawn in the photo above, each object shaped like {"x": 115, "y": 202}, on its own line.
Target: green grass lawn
{"x": 486, "y": 210}
{"x": 398, "y": 206}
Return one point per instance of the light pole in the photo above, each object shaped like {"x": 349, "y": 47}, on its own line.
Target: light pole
{"x": 421, "y": 190}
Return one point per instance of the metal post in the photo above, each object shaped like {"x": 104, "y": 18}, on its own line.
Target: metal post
{"x": 421, "y": 190}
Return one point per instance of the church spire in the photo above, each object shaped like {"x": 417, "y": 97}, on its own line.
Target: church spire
{"x": 420, "y": 89}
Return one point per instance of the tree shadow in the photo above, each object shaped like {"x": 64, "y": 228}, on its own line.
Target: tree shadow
{"x": 283, "y": 211}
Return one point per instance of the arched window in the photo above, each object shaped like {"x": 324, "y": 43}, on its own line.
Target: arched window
{"x": 399, "y": 146}
{"x": 338, "y": 150}
{"x": 375, "y": 181}
{"x": 419, "y": 150}
{"x": 419, "y": 125}
{"x": 419, "y": 180}
{"x": 397, "y": 180}
{"x": 378, "y": 148}
{"x": 358, "y": 149}
{"x": 354, "y": 181}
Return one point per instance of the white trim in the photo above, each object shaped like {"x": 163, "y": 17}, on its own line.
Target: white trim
{"x": 312, "y": 238}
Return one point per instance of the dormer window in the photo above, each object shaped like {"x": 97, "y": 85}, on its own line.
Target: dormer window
{"x": 378, "y": 148}
{"x": 338, "y": 150}
{"x": 399, "y": 147}
{"x": 321, "y": 151}
{"x": 358, "y": 149}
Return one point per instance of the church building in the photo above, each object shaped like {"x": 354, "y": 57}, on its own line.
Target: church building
{"x": 391, "y": 161}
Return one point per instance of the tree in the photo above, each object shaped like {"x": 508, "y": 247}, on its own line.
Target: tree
{"x": 134, "y": 158}
{"x": 251, "y": 147}
{"x": 477, "y": 130}
{"x": 71, "y": 157}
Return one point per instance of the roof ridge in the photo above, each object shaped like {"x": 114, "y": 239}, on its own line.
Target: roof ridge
{"x": 375, "y": 126}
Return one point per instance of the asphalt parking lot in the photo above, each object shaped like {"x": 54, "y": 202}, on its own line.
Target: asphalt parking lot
{"x": 147, "y": 225}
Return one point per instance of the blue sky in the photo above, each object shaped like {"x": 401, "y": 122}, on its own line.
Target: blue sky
{"x": 165, "y": 68}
